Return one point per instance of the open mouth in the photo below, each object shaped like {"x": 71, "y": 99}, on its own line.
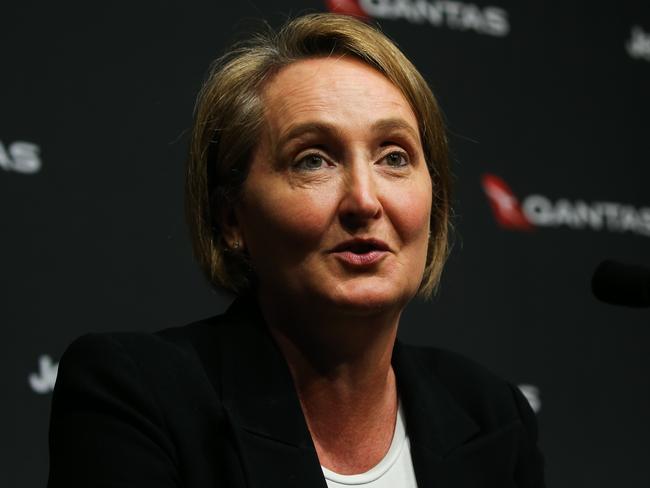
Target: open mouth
{"x": 361, "y": 254}
{"x": 361, "y": 246}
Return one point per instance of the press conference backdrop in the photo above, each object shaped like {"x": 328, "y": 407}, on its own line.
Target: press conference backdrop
{"x": 548, "y": 108}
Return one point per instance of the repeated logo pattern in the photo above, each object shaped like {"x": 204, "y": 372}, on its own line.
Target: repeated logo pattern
{"x": 541, "y": 211}
{"x": 461, "y": 16}
{"x": 638, "y": 46}
{"x": 20, "y": 157}
{"x": 43, "y": 380}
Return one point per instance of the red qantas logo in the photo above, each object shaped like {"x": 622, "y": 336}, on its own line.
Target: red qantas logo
{"x": 536, "y": 211}
{"x": 505, "y": 205}
{"x": 346, "y": 7}
{"x": 490, "y": 20}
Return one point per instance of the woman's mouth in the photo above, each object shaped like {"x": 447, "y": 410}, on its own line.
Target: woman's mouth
{"x": 361, "y": 252}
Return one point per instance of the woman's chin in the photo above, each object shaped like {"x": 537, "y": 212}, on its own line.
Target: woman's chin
{"x": 371, "y": 298}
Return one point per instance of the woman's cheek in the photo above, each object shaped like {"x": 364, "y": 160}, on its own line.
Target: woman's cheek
{"x": 411, "y": 212}
{"x": 295, "y": 216}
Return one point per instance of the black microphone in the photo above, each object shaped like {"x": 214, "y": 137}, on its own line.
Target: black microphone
{"x": 622, "y": 284}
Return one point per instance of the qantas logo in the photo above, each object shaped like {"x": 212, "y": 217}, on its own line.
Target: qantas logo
{"x": 346, "y": 7}
{"x": 540, "y": 211}
{"x": 505, "y": 206}
{"x": 20, "y": 157}
{"x": 489, "y": 20}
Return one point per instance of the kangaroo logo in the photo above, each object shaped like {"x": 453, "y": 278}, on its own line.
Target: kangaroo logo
{"x": 346, "y": 7}
{"x": 505, "y": 205}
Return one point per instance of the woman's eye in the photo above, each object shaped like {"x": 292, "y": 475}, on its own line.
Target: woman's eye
{"x": 396, "y": 159}
{"x": 310, "y": 162}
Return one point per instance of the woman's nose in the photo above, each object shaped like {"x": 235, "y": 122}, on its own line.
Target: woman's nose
{"x": 360, "y": 201}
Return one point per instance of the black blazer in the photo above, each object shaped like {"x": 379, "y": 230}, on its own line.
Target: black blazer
{"x": 212, "y": 404}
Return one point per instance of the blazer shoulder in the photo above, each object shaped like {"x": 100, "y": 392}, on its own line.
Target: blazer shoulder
{"x": 187, "y": 355}
{"x": 497, "y": 411}
{"x": 453, "y": 368}
{"x": 143, "y": 345}
{"x": 488, "y": 398}
{"x": 142, "y": 401}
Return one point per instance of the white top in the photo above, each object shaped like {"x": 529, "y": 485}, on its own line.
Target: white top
{"x": 395, "y": 470}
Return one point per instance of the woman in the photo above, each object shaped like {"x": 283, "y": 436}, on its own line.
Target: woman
{"x": 318, "y": 192}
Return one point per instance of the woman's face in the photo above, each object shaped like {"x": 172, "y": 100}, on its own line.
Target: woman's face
{"x": 335, "y": 210}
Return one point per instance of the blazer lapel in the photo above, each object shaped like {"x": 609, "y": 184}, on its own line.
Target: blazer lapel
{"x": 435, "y": 423}
{"x": 262, "y": 404}
{"x": 268, "y": 425}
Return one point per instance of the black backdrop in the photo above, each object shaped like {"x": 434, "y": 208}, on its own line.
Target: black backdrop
{"x": 550, "y": 100}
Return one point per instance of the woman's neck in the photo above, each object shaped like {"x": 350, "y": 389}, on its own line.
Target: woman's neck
{"x": 341, "y": 367}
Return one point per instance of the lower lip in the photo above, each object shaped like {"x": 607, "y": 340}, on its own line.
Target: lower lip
{"x": 361, "y": 260}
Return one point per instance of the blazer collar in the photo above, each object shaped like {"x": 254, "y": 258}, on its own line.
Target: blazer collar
{"x": 257, "y": 386}
{"x": 258, "y": 394}
{"x": 434, "y": 420}
{"x": 261, "y": 402}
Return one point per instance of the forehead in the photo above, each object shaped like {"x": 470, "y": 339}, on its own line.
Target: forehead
{"x": 342, "y": 91}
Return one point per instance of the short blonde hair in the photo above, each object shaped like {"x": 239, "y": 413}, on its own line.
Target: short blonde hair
{"x": 228, "y": 121}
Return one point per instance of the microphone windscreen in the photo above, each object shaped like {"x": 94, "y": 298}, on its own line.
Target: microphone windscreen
{"x": 622, "y": 284}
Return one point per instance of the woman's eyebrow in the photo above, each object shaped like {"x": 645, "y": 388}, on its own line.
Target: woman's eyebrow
{"x": 306, "y": 128}
{"x": 395, "y": 124}
{"x": 318, "y": 127}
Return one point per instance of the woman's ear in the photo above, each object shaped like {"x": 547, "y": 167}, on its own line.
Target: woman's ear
{"x": 230, "y": 229}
